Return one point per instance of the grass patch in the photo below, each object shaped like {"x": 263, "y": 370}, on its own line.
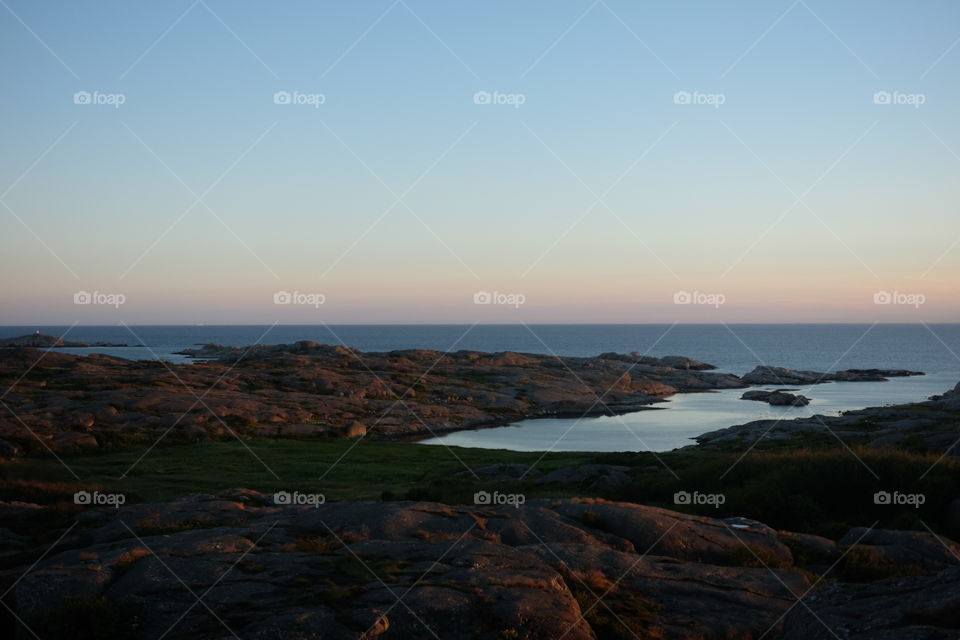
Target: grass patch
{"x": 861, "y": 564}
{"x": 823, "y": 491}
{"x": 349, "y": 470}
{"x": 807, "y": 490}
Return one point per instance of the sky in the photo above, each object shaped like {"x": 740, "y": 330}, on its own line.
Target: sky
{"x": 414, "y": 161}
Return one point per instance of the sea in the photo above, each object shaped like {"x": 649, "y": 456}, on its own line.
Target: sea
{"x": 735, "y": 348}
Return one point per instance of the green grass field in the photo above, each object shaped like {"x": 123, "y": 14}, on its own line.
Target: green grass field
{"x": 823, "y": 490}
{"x": 341, "y": 469}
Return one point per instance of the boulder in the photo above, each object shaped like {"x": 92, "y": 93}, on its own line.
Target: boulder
{"x": 356, "y": 429}
{"x": 779, "y": 397}
{"x": 73, "y": 442}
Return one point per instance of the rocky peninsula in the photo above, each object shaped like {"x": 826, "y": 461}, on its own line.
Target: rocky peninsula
{"x": 44, "y": 341}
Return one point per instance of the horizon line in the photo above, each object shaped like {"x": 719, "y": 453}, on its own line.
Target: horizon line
{"x": 478, "y": 324}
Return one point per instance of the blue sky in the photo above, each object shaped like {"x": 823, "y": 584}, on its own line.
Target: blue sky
{"x": 399, "y": 197}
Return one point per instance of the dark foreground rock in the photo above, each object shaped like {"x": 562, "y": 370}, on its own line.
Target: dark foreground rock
{"x": 909, "y": 608}
{"x": 311, "y": 390}
{"x": 780, "y": 397}
{"x": 237, "y": 565}
{"x": 549, "y": 569}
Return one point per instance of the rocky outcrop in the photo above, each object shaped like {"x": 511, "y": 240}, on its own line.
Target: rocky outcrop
{"x": 40, "y": 340}
{"x": 674, "y": 362}
{"x": 308, "y": 390}
{"x": 763, "y": 375}
{"x": 548, "y": 569}
{"x": 779, "y": 397}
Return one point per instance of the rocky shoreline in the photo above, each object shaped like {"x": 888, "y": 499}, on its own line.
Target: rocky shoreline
{"x": 931, "y": 425}
{"x": 72, "y": 403}
{"x": 306, "y": 389}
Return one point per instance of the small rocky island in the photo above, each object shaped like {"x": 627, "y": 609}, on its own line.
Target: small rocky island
{"x": 778, "y": 397}
{"x": 764, "y": 375}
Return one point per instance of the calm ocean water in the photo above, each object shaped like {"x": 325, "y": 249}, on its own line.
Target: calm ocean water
{"x": 934, "y": 349}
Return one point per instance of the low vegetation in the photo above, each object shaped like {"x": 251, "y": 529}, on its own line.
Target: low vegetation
{"x": 823, "y": 491}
